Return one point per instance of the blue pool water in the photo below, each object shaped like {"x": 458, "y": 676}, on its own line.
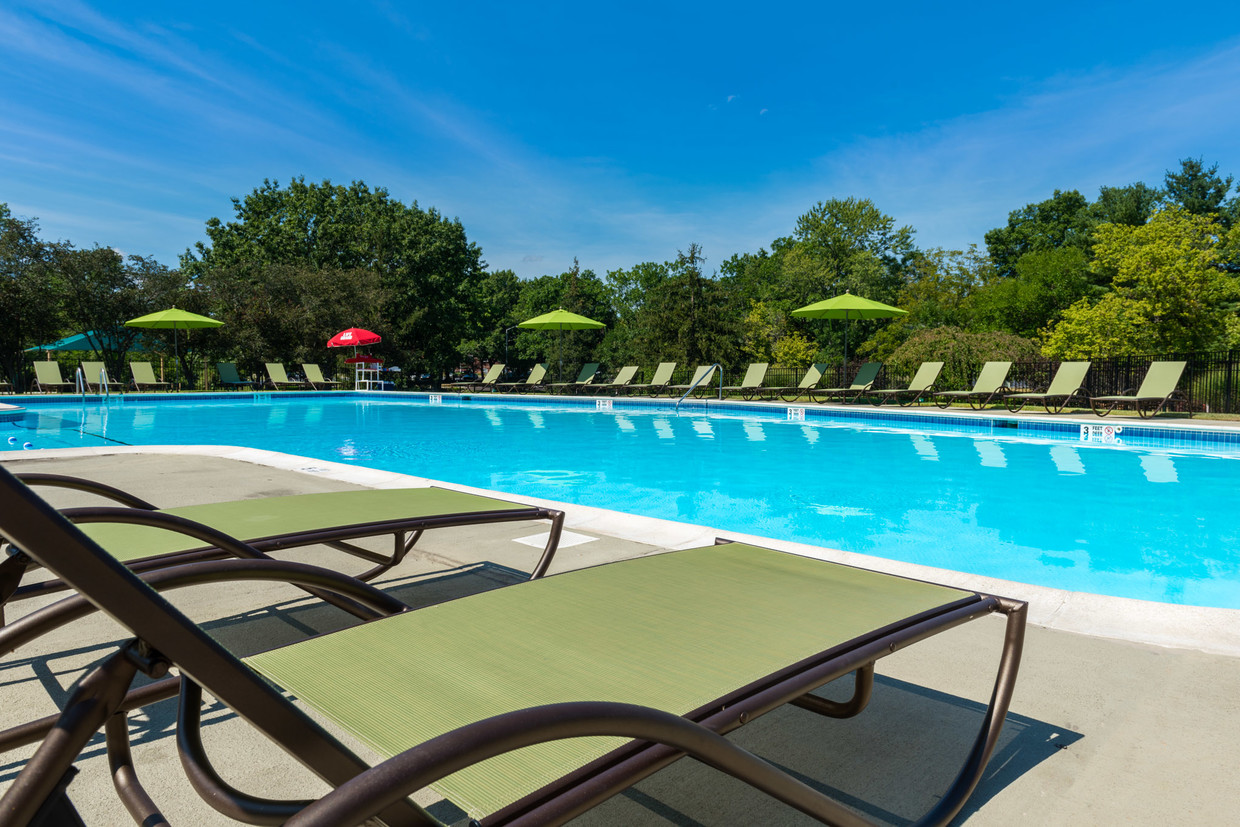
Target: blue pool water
{"x": 1153, "y": 524}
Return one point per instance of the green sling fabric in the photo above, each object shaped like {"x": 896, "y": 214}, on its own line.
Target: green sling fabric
{"x": 674, "y": 631}
{"x": 273, "y": 516}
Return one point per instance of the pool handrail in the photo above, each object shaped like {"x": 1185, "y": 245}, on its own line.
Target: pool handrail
{"x": 715, "y": 368}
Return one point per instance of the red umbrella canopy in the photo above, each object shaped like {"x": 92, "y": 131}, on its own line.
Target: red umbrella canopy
{"x": 363, "y": 359}
{"x": 354, "y": 336}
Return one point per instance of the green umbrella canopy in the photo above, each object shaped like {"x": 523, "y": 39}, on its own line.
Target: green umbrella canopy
{"x": 561, "y": 320}
{"x": 175, "y": 320}
{"x": 847, "y": 306}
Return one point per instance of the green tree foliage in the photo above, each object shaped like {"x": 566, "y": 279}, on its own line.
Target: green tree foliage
{"x": 1063, "y": 220}
{"x": 627, "y": 291}
{"x": 428, "y": 269}
{"x": 688, "y": 317}
{"x": 1197, "y": 190}
{"x": 1168, "y": 294}
{"x": 1132, "y": 205}
{"x": 578, "y": 291}
{"x": 1045, "y": 284}
{"x": 29, "y": 306}
{"x": 961, "y": 352}
{"x": 495, "y": 312}
{"x": 286, "y": 312}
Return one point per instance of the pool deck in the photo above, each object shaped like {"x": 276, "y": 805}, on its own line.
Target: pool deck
{"x": 1101, "y": 729}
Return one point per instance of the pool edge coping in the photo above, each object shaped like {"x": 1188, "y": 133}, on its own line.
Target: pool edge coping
{"x": 1206, "y": 629}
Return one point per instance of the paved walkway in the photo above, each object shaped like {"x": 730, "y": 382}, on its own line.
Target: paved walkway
{"x": 1101, "y": 731}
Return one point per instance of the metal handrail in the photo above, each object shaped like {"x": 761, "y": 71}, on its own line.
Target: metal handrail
{"x": 693, "y": 386}
{"x": 103, "y": 382}
{"x": 79, "y": 380}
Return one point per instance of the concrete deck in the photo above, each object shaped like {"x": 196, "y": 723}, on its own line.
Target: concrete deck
{"x": 1100, "y": 731}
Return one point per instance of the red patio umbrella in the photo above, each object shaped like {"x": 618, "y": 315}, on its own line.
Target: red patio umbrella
{"x": 364, "y": 359}
{"x": 354, "y": 337}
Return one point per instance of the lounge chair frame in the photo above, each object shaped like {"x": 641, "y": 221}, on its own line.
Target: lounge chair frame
{"x": 229, "y": 377}
{"x": 91, "y": 372}
{"x": 166, "y": 638}
{"x": 660, "y": 382}
{"x": 1157, "y": 389}
{"x": 863, "y": 380}
{"x": 49, "y": 379}
{"x": 315, "y": 377}
{"x": 813, "y": 375}
{"x": 405, "y": 531}
{"x": 142, "y": 382}
{"x": 922, "y": 385}
{"x": 699, "y": 385}
{"x": 991, "y": 382}
{"x": 277, "y": 377}
{"x": 1068, "y": 382}
{"x": 624, "y": 378}
{"x": 751, "y": 385}
{"x": 487, "y": 382}
{"x": 536, "y": 378}
{"x": 588, "y": 371}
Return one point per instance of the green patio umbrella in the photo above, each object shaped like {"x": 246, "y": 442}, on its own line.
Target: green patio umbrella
{"x": 561, "y": 320}
{"x": 847, "y": 306}
{"x": 176, "y": 320}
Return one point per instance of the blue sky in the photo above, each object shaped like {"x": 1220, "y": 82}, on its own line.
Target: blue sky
{"x": 616, "y": 133}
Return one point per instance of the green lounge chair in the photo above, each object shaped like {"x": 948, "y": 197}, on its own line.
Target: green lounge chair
{"x": 808, "y": 382}
{"x": 279, "y": 379}
{"x": 622, "y": 381}
{"x": 144, "y": 377}
{"x": 5, "y": 384}
{"x": 274, "y": 523}
{"x": 487, "y": 382}
{"x": 570, "y": 688}
{"x": 659, "y": 383}
{"x": 699, "y": 384}
{"x": 315, "y": 377}
{"x": 94, "y": 373}
{"x": 991, "y": 382}
{"x": 588, "y": 372}
{"x": 1069, "y": 380}
{"x": 229, "y": 376}
{"x": 47, "y": 378}
{"x": 862, "y": 382}
{"x": 751, "y": 384}
{"x": 922, "y": 385}
{"x": 1156, "y": 389}
{"x": 538, "y": 374}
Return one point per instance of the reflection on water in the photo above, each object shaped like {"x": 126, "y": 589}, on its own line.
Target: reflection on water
{"x": 753, "y": 431}
{"x": 625, "y": 424}
{"x": 924, "y": 446}
{"x": 276, "y": 416}
{"x": 663, "y": 428}
{"x": 497, "y": 422}
{"x": 1067, "y": 459}
{"x": 811, "y": 433}
{"x": 1159, "y": 468}
{"x": 536, "y": 419}
{"x": 991, "y": 453}
{"x": 703, "y": 428}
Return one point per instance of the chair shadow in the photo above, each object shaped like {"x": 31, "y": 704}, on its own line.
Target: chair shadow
{"x": 243, "y": 634}
{"x": 892, "y": 763}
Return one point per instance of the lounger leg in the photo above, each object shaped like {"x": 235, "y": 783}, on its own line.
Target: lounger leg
{"x": 553, "y": 542}
{"x": 863, "y": 685}
{"x": 94, "y": 701}
{"x": 125, "y": 778}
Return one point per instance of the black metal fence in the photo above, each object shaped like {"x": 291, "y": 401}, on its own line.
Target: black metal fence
{"x": 1211, "y": 381}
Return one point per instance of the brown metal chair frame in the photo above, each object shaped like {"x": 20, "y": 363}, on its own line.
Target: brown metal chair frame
{"x": 165, "y": 638}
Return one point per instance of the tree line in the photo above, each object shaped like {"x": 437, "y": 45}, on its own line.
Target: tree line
{"x": 1137, "y": 270}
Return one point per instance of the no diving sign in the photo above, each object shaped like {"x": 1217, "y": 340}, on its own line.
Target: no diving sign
{"x": 1102, "y": 433}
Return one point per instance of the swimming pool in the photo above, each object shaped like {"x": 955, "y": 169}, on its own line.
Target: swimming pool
{"x": 1148, "y": 523}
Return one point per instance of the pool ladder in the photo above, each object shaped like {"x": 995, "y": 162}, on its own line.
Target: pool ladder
{"x": 79, "y": 379}
{"x": 715, "y": 368}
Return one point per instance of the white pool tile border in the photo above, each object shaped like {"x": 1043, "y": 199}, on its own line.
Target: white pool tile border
{"x": 1206, "y": 629}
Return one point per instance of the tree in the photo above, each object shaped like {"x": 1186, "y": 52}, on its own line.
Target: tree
{"x": 29, "y": 302}
{"x": 1199, "y": 191}
{"x": 577, "y": 291}
{"x": 1168, "y": 296}
{"x": 1045, "y": 284}
{"x": 428, "y": 269}
{"x": 1132, "y": 205}
{"x": 1063, "y": 220}
{"x": 689, "y": 317}
{"x": 961, "y": 352}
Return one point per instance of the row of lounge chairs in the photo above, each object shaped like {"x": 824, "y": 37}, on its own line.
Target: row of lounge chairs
{"x": 49, "y": 379}
{"x": 525, "y": 704}
{"x": 1068, "y": 383}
